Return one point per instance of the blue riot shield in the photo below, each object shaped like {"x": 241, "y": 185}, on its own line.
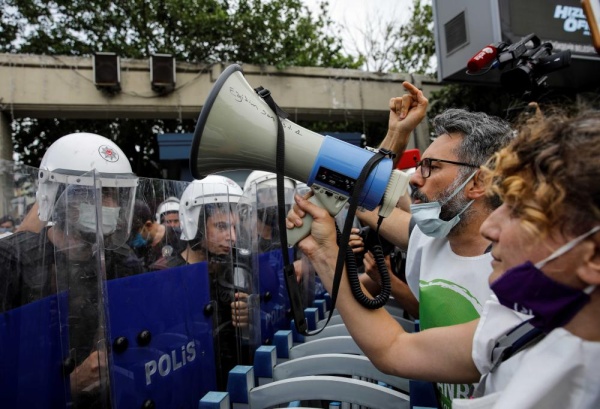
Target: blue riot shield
{"x": 162, "y": 338}
{"x": 275, "y": 304}
{"x": 87, "y": 322}
{"x": 32, "y": 340}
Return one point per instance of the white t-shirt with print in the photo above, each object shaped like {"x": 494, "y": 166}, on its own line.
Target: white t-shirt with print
{"x": 451, "y": 290}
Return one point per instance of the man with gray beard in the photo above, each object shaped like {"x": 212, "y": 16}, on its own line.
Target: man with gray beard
{"x": 448, "y": 261}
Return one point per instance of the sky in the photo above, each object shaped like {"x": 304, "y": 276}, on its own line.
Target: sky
{"x": 353, "y": 14}
{"x": 363, "y": 20}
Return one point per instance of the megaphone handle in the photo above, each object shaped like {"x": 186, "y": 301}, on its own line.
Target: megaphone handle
{"x": 298, "y": 233}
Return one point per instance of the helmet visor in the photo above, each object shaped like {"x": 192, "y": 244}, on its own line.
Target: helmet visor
{"x": 98, "y": 206}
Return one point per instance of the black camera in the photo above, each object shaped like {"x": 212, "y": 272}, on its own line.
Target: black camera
{"x": 527, "y": 63}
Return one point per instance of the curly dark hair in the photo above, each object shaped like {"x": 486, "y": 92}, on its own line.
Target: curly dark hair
{"x": 549, "y": 174}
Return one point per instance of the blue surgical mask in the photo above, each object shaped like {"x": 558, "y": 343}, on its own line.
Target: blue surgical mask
{"x": 427, "y": 215}
{"x": 5, "y": 230}
{"x": 138, "y": 241}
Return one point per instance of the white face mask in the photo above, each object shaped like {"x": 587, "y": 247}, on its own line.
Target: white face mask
{"x": 427, "y": 215}
{"x": 87, "y": 218}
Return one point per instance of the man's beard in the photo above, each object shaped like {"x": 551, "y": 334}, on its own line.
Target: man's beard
{"x": 450, "y": 208}
{"x": 416, "y": 194}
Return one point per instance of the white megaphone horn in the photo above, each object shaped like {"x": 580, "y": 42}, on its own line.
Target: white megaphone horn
{"x": 237, "y": 129}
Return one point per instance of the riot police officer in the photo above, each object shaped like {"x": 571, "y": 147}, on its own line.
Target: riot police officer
{"x": 208, "y": 217}
{"x": 85, "y": 195}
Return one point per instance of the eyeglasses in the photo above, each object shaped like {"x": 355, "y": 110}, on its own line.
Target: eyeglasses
{"x": 425, "y": 165}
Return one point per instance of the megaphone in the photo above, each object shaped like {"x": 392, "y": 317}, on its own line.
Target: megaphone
{"x": 237, "y": 129}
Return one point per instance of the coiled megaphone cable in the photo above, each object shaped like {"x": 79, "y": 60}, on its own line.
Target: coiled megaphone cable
{"x": 352, "y": 271}
{"x": 345, "y": 236}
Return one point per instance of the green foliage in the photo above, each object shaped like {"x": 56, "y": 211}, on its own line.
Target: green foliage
{"x": 388, "y": 45}
{"x": 272, "y": 32}
{"x": 416, "y": 44}
{"x": 283, "y": 33}
{"x": 275, "y": 32}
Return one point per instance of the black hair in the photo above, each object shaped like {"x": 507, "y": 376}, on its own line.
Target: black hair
{"x": 7, "y": 218}
{"x": 141, "y": 214}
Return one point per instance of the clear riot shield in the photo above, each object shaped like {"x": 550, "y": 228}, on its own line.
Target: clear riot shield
{"x": 217, "y": 243}
{"x": 176, "y": 320}
{"x": 85, "y": 215}
{"x": 259, "y": 226}
{"x": 33, "y": 314}
{"x": 17, "y": 196}
{"x": 54, "y": 305}
{"x": 163, "y": 323}
{"x": 153, "y": 240}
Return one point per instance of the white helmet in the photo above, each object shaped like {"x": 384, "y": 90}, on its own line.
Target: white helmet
{"x": 262, "y": 178}
{"x": 211, "y": 189}
{"x": 72, "y": 159}
{"x": 267, "y": 181}
{"x": 171, "y": 204}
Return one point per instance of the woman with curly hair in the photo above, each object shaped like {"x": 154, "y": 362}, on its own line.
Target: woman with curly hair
{"x": 537, "y": 343}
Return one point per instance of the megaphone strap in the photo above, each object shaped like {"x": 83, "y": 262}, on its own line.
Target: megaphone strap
{"x": 266, "y": 95}
{"x": 293, "y": 289}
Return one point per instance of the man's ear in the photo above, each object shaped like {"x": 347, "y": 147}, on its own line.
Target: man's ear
{"x": 148, "y": 224}
{"x": 476, "y": 187}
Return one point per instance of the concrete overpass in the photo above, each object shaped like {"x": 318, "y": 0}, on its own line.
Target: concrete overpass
{"x": 63, "y": 87}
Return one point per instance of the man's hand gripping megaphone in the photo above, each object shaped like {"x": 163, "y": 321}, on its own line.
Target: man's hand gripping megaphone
{"x": 406, "y": 112}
